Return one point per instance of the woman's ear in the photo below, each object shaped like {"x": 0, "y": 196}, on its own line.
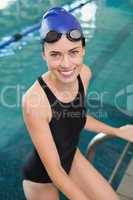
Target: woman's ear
{"x": 43, "y": 55}
{"x": 83, "y": 51}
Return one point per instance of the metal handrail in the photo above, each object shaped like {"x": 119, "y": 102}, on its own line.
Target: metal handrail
{"x": 99, "y": 139}
{"x": 122, "y": 156}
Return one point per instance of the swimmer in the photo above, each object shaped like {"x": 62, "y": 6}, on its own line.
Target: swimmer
{"x": 56, "y": 163}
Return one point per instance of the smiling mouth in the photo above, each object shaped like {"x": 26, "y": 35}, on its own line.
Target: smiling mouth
{"x": 67, "y": 73}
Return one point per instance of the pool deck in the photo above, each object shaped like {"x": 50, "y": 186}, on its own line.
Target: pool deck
{"x": 125, "y": 189}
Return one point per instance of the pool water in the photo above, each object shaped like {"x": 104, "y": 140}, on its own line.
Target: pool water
{"x": 108, "y": 27}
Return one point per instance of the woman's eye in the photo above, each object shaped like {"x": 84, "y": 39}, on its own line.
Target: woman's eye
{"x": 54, "y": 55}
{"x": 74, "y": 52}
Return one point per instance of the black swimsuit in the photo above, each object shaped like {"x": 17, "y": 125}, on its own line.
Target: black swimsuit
{"x": 68, "y": 119}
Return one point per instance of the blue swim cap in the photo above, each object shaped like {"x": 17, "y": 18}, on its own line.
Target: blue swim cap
{"x": 60, "y": 20}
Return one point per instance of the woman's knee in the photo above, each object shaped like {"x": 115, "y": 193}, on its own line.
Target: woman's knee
{"x": 40, "y": 191}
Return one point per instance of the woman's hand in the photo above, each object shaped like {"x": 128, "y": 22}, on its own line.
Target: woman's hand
{"x": 125, "y": 132}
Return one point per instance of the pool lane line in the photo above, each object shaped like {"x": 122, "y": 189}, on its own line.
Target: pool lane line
{"x": 18, "y": 36}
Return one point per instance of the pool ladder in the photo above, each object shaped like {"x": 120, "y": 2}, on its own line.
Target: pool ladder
{"x": 99, "y": 139}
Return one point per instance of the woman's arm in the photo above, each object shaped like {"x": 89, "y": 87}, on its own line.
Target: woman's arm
{"x": 94, "y": 125}
{"x": 35, "y": 115}
{"x": 97, "y": 126}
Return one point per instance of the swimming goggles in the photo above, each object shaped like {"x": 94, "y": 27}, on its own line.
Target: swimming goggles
{"x": 72, "y": 35}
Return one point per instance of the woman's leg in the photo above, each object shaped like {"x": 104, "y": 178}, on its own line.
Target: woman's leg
{"x": 90, "y": 180}
{"x": 40, "y": 191}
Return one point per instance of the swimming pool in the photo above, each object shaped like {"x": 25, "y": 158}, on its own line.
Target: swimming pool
{"x": 108, "y": 27}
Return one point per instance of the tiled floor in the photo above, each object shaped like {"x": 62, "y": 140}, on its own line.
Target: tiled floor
{"x": 125, "y": 189}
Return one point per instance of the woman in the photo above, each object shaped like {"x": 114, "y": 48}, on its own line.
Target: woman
{"x": 54, "y": 113}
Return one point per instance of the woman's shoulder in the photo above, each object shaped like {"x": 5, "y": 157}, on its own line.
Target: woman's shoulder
{"x": 35, "y": 99}
{"x": 35, "y": 90}
{"x": 85, "y": 75}
{"x": 86, "y": 72}
{"x": 32, "y": 91}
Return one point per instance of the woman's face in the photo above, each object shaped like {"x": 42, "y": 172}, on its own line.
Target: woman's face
{"x": 64, "y": 59}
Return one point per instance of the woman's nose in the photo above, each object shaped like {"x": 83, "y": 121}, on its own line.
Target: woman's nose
{"x": 65, "y": 62}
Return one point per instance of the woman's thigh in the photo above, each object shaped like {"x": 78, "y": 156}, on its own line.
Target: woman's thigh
{"x": 40, "y": 191}
{"x": 90, "y": 180}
